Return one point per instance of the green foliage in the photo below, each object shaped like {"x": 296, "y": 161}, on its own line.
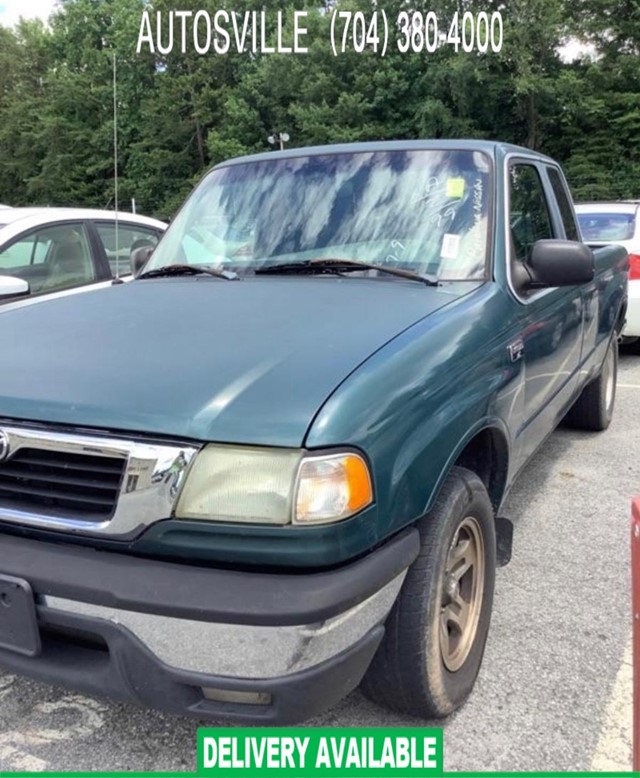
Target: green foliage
{"x": 180, "y": 113}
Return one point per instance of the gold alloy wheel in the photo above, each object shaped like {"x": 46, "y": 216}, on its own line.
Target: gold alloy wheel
{"x": 462, "y": 591}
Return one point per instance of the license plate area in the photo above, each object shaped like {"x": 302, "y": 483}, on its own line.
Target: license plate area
{"x": 18, "y": 623}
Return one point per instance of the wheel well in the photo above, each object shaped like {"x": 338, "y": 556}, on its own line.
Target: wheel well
{"x": 487, "y": 454}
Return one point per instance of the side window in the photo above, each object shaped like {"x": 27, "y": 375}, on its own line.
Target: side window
{"x": 50, "y": 258}
{"x": 30, "y": 249}
{"x": 119, "y": 249}
{"x": 564, "y": 204}
{"x": 41, "y": 248}
{"x": 529, "y": 217}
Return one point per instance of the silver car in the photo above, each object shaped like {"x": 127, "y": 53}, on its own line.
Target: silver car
{"x": 52, "y": 251}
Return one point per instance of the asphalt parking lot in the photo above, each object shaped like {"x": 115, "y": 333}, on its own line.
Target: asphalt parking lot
{"x": 554, "y": 692}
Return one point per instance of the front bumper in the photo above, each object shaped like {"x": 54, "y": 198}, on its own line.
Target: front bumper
{"x": 250, "y": 646}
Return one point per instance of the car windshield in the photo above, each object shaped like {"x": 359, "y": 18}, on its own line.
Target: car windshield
{"x": 426, "y": 211}
{"x": 607, "y": 226}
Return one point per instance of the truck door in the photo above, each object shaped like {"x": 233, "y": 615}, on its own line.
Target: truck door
{"x": 592, "y": 315}
{"x": 552, "y": 318}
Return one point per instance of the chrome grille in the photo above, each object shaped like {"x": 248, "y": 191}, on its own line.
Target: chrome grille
{"x": 88, "y": 484}
{"x": 58, "y": 482}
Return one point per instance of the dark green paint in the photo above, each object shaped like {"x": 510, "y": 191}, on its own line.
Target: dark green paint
{"x": 407, "y": 374}
{"x": 201, "y": 358}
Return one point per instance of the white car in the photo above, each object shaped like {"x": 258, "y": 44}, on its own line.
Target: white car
{"x": 602, "y": 223}
{"x": 47, "y": 251}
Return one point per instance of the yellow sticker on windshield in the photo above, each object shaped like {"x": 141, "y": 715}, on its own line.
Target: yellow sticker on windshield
{"x": 455, "y": 187}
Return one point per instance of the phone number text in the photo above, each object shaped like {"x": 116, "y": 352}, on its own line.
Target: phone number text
{"x": 415, "y": 32}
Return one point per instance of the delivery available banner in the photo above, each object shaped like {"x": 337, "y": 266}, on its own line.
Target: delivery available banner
{"x": 303, "y": 752}
{"x": 317, "y": 752}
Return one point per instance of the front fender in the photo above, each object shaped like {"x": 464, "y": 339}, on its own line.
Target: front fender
{"x": 414, "y": 406}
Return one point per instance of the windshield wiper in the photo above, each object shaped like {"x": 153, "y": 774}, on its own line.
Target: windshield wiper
{"x": 188, "y": 270}
{"x": 337, "y": 265}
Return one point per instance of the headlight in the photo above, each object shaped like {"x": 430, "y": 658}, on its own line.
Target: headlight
{"x": 239, "y": 483}
{"x": 274, "y": 486}
{"x": 331, "y": 488}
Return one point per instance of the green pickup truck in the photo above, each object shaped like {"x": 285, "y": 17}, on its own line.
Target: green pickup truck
{"x": 270, "y": 468}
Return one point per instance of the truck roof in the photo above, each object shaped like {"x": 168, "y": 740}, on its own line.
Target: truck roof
{"x": 493, "y": 148}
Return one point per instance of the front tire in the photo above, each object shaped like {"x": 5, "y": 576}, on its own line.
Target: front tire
{"x": 593, "y": 410}
{"x": 436, "y": 632}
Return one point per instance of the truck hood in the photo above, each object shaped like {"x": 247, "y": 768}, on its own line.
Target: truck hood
{"x": 248, "y": 361}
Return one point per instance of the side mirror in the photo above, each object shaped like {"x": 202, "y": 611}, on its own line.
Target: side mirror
{"x": 560, "y": 263}
{"x": 10, "y": 286}
{"x": 139, "y": 258}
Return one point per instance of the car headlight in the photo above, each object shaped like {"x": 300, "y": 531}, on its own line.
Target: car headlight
{"x": 274, "y": 486}
{"x": 331, "y": 487}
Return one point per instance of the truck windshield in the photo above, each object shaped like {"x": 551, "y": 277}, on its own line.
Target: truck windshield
{"x": 425, "y": 211}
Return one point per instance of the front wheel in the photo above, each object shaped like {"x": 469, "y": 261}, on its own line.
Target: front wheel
{"x": 435, "y": 634}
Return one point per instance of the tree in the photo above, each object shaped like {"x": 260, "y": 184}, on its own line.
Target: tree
{"x": 179, "y": 113}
